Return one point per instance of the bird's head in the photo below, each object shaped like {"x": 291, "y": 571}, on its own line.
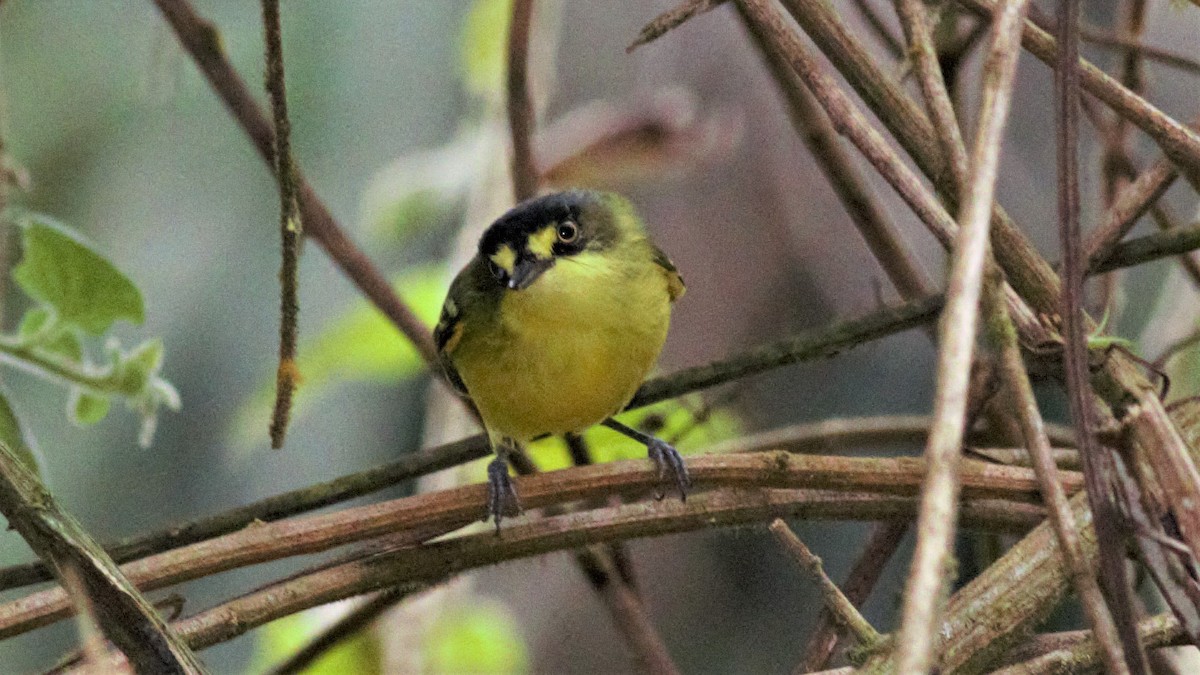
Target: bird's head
{"x": 528, "y": 240}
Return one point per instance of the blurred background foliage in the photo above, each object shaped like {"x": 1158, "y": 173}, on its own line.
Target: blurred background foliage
{"x": 396, "y": 122}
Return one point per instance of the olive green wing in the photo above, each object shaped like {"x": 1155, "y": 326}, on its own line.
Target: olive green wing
{"x": 448, "y": 332}
{"x": 675, "y": 285}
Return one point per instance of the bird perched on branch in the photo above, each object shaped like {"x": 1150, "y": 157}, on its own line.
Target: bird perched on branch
{"x": 554, "y": 323}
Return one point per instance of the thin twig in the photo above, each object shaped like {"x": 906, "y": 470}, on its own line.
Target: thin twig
{"x": 202, "y": 41}
{"x": 1178, "y": 142}
{"x": 881, "y": 30}
{"x": 925, "y": 587}
{"x": 835, "y": 601}
{"x": 872, "y": 220}
{"x": 880, "y": 547}
{"x": 1075, "y": 358}
{"x": 289, "y": 226}
{"x": 916, "y": 21}
{"x": 1133, "y": 252}
{"x": 1166, "y": 222}
{"x": 670, "y": 20}
{"x": 1020, "y": 393}
{"x": 432, "y": 514}
{"x": 358, "y": 620}
{"x": 520, "y": 104}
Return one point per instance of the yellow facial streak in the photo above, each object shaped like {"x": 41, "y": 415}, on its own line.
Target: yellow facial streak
{"x": 505, "y": 258}
{"x": 541, "y": 243}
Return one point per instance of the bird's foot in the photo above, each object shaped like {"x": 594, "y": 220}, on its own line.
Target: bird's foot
{"x": 666, "y": 458}
{"x": 502, "y": 496}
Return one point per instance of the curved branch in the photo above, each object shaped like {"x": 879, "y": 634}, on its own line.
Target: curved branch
{"x": 422, "y": 517}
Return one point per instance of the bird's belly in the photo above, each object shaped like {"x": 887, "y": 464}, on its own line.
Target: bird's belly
{"x": 562, "y": 371}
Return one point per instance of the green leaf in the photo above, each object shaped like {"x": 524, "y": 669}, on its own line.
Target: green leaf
{"x": 82, "y": 287}
{"x": 282, "y": 638}
{"x": 480, "y": 638}
{"x": 40, "y": 328}
{"x": 482, "y": 47}
{"x": 86, "y": 409}
{"x": 141, "y": 364}
{"x": 16, "y": 437}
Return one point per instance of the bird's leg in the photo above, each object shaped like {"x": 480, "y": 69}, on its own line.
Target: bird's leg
{"x": 502, "y": 496}
{"x": 664, "y": 455}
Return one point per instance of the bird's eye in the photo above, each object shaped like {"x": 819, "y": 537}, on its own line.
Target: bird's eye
{"x": 567, "y": 232}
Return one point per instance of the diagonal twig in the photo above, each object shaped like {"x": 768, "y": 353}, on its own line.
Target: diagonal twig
{"x": 202, "y": 41}
{"x": 123, "y": 615}
{"x": 835, "y": 600}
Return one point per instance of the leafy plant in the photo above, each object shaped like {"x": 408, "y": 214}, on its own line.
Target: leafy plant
{"x": 78, "y": 294}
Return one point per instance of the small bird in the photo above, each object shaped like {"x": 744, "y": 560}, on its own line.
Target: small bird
{"x": 554, "y": 323}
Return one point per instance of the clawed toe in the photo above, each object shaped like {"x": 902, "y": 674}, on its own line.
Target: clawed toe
{"x": 667, "y": 459}
{"x": 502, "y": 496}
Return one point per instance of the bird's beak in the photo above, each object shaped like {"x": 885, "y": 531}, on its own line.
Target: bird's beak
{"x": 526, "y": 271}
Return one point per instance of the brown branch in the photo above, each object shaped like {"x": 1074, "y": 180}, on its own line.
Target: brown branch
{"x": 1178, "y": 142}
{"x": 925, "y": 587}
{"x": 122, "y": 613}
{"x": 419, "y": 567}
{"x": 1135, "y": 46}
{"x": 881, "y": 545}
{"x": 1130, "y": 204}
{"x": 428, "y": 515}
{"x": 1097, "y": 462}
{"x": 289, "y": 226}
{"x": 202, "y": 41}
{"x": 809, "y": 345}
{"x": 670, "y": 20}
{"x": 1132, "y": 252}
{"x": 1022, "y": 400}
{"x": 835, "y": 600}
{"x": 520, "y": 104}
{"x": 1077, "y": 651}
{"x": 872, "y": 220}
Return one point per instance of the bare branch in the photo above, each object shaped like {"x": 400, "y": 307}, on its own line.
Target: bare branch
{"x": 520, "y": 105}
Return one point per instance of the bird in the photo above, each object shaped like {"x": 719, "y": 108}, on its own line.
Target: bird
{"x": 553, "y": 324}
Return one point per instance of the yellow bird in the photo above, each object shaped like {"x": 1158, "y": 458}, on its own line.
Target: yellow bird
{"x": 555, "y": 322}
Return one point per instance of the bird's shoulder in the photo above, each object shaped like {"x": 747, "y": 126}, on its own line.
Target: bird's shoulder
{"x": 466, "y": 301}
{"x": 675, "y": 286}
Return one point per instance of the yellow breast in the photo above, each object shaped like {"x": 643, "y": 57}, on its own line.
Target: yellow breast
{"x": 568, "y": 351}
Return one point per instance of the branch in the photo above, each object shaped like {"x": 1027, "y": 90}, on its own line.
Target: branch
{"x": 122, "y": 613}
{"x": 203, "y": 42}
{"x": 926, "y": 584}
{"x": 807, "y": 346}
{"x": 1023, "y": 401}
{"x": 520, "y": 106}
{"x": 876, "y": 553}
{"x": 1077, "y": 651}
{"x": 416, "y": 568}
{"x": 1178, "y": 142}
{"x": 835, "y": 601}
{"x": 869, "y": 216}
{"x": 1150, "y": 247}
{"x": 425, "y": 516}
{"x": 670, "y": 20}
{"x": 289, "y": 227}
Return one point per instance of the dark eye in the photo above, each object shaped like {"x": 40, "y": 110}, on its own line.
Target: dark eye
{"x": 567, "y": 232}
